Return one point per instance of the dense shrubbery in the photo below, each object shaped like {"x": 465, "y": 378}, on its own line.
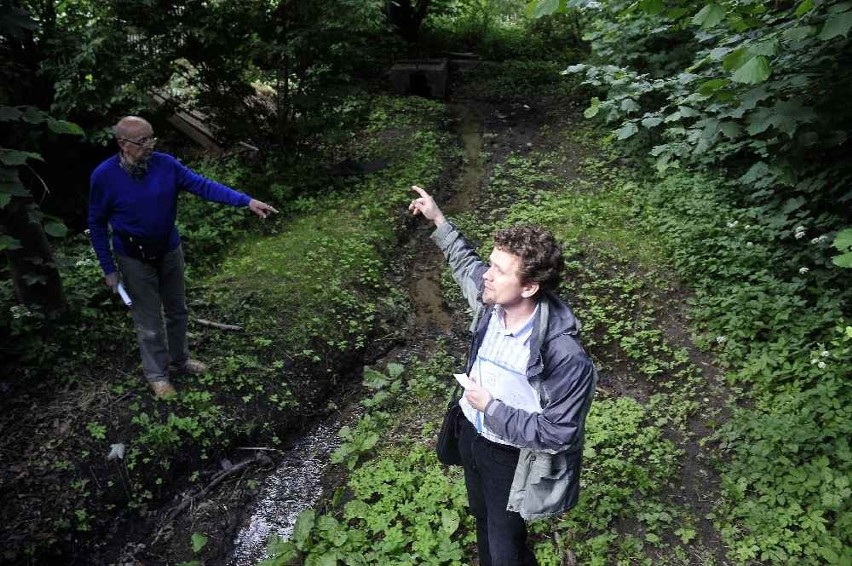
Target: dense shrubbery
{"x": 774, "y": 315}
{"x": 755, "y": 92}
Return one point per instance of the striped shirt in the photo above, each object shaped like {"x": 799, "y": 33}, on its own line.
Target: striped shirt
{"x": 502, "y": 359}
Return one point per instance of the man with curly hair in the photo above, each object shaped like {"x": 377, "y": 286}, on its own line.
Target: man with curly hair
{"x": 530, "y": 384}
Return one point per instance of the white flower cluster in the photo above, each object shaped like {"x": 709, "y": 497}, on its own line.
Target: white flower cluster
{"x": 803, "y": 270}
{"x": 818, "y": 362}
{"x": 799, "y": 232}
{"x": 721, "y": 339}
{"x": 733, "y": 224}
{"x": 820, "y": 239}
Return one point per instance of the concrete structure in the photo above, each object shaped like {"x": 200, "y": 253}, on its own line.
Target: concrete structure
{"x": 423, "y": 77}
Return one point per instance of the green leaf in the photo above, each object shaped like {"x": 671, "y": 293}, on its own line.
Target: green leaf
{"x": 8, "y": 113}
{"x": 768, "y": 48}
{"x": 14, "y": 157}
{"x": 374, "y": 379}
{"x": 735, "y": 59}
{"x": 793, "y": 204}
{"x": 395, "y": 369}
{"x": 804, "y": 7}
{"x": 280, "y": 551}
{"x": 755, "y": 71}
{"x": 56, "y": 229}
{"x": 9, "y": 243}
{"x": 709, "y": 16}
{"x": 33, "y": 115}
{"x": 627, "y": 130}
{"x": 449, "y": 520}
{"x": 836, "y": 25}
{"x": 302, "y": 528}
{"x": 592, "y": 110}
{"x": 10, "y": 184}
{"x": 799, "y": 33}
{"x": 629, "y": 105}
{"x": 199, "y": 541}
{"x": 541, "y": 8}
{"x": 843, "y": 240}
{"x": 732, "y": 130}
{"x": 844, "y": 260}
{"x": 710, "y": 87}
{"x": 755, "y": 172}
{"x": 652, "y": 7}
{"x": 651, "y": 121}
{"x": 64, "y": 127}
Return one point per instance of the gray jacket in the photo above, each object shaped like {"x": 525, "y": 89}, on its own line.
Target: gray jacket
{"x": 547, "y": 476}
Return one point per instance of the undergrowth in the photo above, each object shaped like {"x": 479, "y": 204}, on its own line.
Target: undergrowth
{"x": 776, "y": 434}
{"x": 309, "y": 290}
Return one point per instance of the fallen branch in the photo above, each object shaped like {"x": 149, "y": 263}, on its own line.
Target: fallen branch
{"x": 219, "y": 325}
{"x": 259, "y": 458}
{"x": 258, "y": 448}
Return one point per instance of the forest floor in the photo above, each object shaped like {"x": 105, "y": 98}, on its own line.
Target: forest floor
{"x": 497, "y": 133}
{"x": 493, "y": 131}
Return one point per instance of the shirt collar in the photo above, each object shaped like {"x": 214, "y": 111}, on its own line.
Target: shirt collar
{"x": 525, "y": 328}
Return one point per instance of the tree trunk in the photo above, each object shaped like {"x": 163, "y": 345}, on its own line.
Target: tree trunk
{"x": 34, "y": 273}
{"x": 406, "y": 17}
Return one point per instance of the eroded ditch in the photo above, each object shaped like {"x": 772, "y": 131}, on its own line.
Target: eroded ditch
{"x": 296, "y": 484}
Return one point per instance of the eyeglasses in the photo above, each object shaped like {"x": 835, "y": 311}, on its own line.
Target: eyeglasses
{"x": 147, "y": 141}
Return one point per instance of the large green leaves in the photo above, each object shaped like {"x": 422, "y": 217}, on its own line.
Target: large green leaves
{"x": 755, "y": 70}
{"x": 541, "y": 8}
{"x": 843, "y": 243}
{"x": 709, "y": 16}
{"x": 836, "y": 25}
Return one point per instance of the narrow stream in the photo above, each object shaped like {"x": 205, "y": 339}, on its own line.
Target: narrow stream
{"x": 294, "y": 486}
{"x": 296, "y": 483}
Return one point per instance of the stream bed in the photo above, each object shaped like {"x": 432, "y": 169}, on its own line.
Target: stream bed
{"x": 297, "y": 482}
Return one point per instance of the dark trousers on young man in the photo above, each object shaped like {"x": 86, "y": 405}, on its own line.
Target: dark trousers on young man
{"x": 489, "y": 467}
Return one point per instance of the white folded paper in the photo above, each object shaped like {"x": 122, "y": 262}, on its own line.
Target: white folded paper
{"x": 123, "y": 293}
{"x": 463, "y": 380}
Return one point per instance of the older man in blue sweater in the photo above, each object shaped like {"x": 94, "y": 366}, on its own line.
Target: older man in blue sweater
{"x": 136, "y": 193}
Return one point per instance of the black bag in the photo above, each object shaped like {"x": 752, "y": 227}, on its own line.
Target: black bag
{"x": 149, "y": 250}
{"x": 448, "y": 439}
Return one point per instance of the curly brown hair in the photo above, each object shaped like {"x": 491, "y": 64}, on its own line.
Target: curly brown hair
{"x": 539, "y": 252}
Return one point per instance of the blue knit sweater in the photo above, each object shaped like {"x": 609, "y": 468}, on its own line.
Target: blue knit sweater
{"x": 145, "y": 207}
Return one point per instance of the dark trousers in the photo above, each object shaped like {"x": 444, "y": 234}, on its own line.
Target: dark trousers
{"x": 159, "y": 311}
{"x": 501, "y": 535}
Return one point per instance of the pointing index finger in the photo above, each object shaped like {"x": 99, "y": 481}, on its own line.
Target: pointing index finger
{"x": 422, "y": 193}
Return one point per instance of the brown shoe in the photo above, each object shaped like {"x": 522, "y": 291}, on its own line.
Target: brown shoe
{"x": 190, "y": 367}
{"x": 162, "y": 389}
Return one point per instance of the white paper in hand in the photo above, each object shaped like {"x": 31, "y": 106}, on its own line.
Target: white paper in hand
{"x": 463, "y": 380}
{"x": 123, "y": 293}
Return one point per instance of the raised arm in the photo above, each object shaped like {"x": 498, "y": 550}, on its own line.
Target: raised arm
{"x": 466, "y": 265}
